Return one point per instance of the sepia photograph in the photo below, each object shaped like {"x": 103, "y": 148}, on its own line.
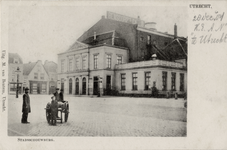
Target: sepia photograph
{"x": 97, "y": 71}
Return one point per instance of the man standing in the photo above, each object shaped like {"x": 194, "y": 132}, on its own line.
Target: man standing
{"x": 25, "y": 107}
{"x": 56, "y": 94}
{"x": 61, "y": 96}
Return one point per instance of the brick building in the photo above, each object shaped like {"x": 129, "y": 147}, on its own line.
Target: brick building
{"x": 117, "y": 52}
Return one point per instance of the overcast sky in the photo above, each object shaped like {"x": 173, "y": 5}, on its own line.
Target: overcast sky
{"x": 41, "y": 32}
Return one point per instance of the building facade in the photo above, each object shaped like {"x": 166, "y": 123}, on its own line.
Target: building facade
{"x": 51, "y": 68}
{"x": 36, "y": 77}
{"x": 15, "y": 73}
{"x": 125, "y": 55}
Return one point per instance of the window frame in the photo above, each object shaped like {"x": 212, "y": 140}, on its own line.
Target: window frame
{"x": 164, "y": 80}
{"x": 123, "y": 81}
{"x": 134, "y": 81}
{"x": 173, "y": 81}
{"x": 96, "y": 61}
{"x": 147, "y": 80}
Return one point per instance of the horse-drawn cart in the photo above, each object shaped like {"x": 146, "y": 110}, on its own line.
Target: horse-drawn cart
{"x": 63, "y": 109}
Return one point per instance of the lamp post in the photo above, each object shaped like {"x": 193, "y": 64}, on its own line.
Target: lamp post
{"x": 18, "y": 71}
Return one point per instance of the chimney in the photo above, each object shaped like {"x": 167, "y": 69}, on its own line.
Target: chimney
{"x": 175, "y": 30}
{"x": 94, "y": 35}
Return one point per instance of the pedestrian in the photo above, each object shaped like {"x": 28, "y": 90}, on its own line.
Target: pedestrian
{"x": 26, "y": 108}
{"x": 57, "y": 97}
{"x": 54, "y": 110}
{"x": 61, "y": 96}
{"x": 56, "y": 94}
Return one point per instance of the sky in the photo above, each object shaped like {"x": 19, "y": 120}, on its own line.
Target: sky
{"x": 42, "y": 32}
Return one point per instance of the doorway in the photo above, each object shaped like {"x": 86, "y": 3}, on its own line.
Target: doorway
{"x": 108, "y": 85}
{"x": 77, "y": 86}
{"x": 84, "y": 86}
{"x": 96, "y": 86}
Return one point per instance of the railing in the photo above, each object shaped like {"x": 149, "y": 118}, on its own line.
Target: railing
{"x": 149, "y": 63}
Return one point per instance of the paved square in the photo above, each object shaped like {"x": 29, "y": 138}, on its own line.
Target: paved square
{"x": 105, "y": 116}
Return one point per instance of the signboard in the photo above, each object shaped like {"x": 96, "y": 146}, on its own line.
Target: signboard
{"x": 118, "y": 17}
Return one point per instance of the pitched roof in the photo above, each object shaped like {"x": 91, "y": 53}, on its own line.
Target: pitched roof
{"x": 27, "y": 68}
{"x": 77, "y": 45}
{"x": 50, "y": 66}
{"x": 106, "y": 27}
{"x": 13, "y": 56}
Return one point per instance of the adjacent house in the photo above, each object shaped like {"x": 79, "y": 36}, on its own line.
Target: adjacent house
{"x": 15, "y": 73}
{"x": 36, "y": 77}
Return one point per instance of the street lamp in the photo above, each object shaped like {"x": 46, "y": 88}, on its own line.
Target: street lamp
{"x": 18, "y": 71}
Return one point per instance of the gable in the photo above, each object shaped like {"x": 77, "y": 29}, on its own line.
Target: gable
{"x": 77, "y": 45}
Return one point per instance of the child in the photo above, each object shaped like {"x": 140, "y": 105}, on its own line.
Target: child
{"x": 54, "y": 110}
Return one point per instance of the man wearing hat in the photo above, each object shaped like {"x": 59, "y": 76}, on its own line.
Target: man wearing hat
{"x": 56, "y": 94}
{"x": 25, "y": 107}
{"x": 57, "y": 98}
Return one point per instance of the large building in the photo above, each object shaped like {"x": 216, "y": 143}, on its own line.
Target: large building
{"x": 116, "y": 53}
{"x": 15, "y": 73}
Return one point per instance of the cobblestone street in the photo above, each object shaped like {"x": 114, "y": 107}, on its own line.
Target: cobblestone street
{"x": 105, "y": 116}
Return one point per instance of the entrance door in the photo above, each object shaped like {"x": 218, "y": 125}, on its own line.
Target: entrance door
{"x": 96, "y": 86}
{"x": 77, "y": 86}
{"x": 84, "y": 86}
{"x": 70, "y": 86}
{"x": 108, "y": 85}
{"x": 38, "y": 88}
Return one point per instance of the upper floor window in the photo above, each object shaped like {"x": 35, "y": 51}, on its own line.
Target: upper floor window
{"x": 164, "y": 81}
{"x": 147, "y": 80}
{"x": 108, "y": 59}
{"x": 16, "y": 61}
{"x": 95, "y": 61}
{"x": 42, "y": 76}
{"x": 70, "y": 64}
{"x": 134, "y": 81}
{"x": 84, "y": 62}
{"x": 77, "y": 63}
{"x": 119, "y": 59}
{"x": 35, "y": 75}
{"x": 173, "y": 87}
{"x": 62, "y": 65}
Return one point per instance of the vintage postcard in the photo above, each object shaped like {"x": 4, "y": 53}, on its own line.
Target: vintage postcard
{"x": 113, "y": 75}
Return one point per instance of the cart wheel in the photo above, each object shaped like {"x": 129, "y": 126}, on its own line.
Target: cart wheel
{"x": 48, "y": 115}
{"x": 66, "y": 113}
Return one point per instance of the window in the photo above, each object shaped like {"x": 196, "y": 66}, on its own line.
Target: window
{"x": 42, "y": 76}
{"x": 122, "y": 81}
{"x": 147, "y": 80}
{"x": 16, "y": 61}
{"x": 148, "y": 39}
{"x": 134, "y": 81}
{"x": 95, "y": 61}
{"x": 43, "y": 88}
{"x": 84, "y": 63}
{"x": 173, "y": 81}
{"x": 181, "y": 82}
{"x": 77, "y": 63}
{"x": 108, "y": 59}
{"x": 62, "y": 65}
{"x": 164, "y": 81}
{"x": 119, "y": 59}
{"x": 35, "y": 75}
{"x": 70, "y": 64}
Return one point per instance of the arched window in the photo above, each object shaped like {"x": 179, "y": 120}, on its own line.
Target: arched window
{"x": 70, "y": 86}
{"x": 77, "y": 86}
{"x": 84, "y": 86}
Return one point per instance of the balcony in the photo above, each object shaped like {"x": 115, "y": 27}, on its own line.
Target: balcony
{"x": 150, "y": 63}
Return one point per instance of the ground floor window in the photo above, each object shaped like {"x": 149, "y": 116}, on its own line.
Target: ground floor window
{"x": 173, "y": 80}
{"x": 147, "y": 80}
{"x": 181, "y": 82}
{"x": 134, "y": 81}
{"x": 164, "y": 81}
